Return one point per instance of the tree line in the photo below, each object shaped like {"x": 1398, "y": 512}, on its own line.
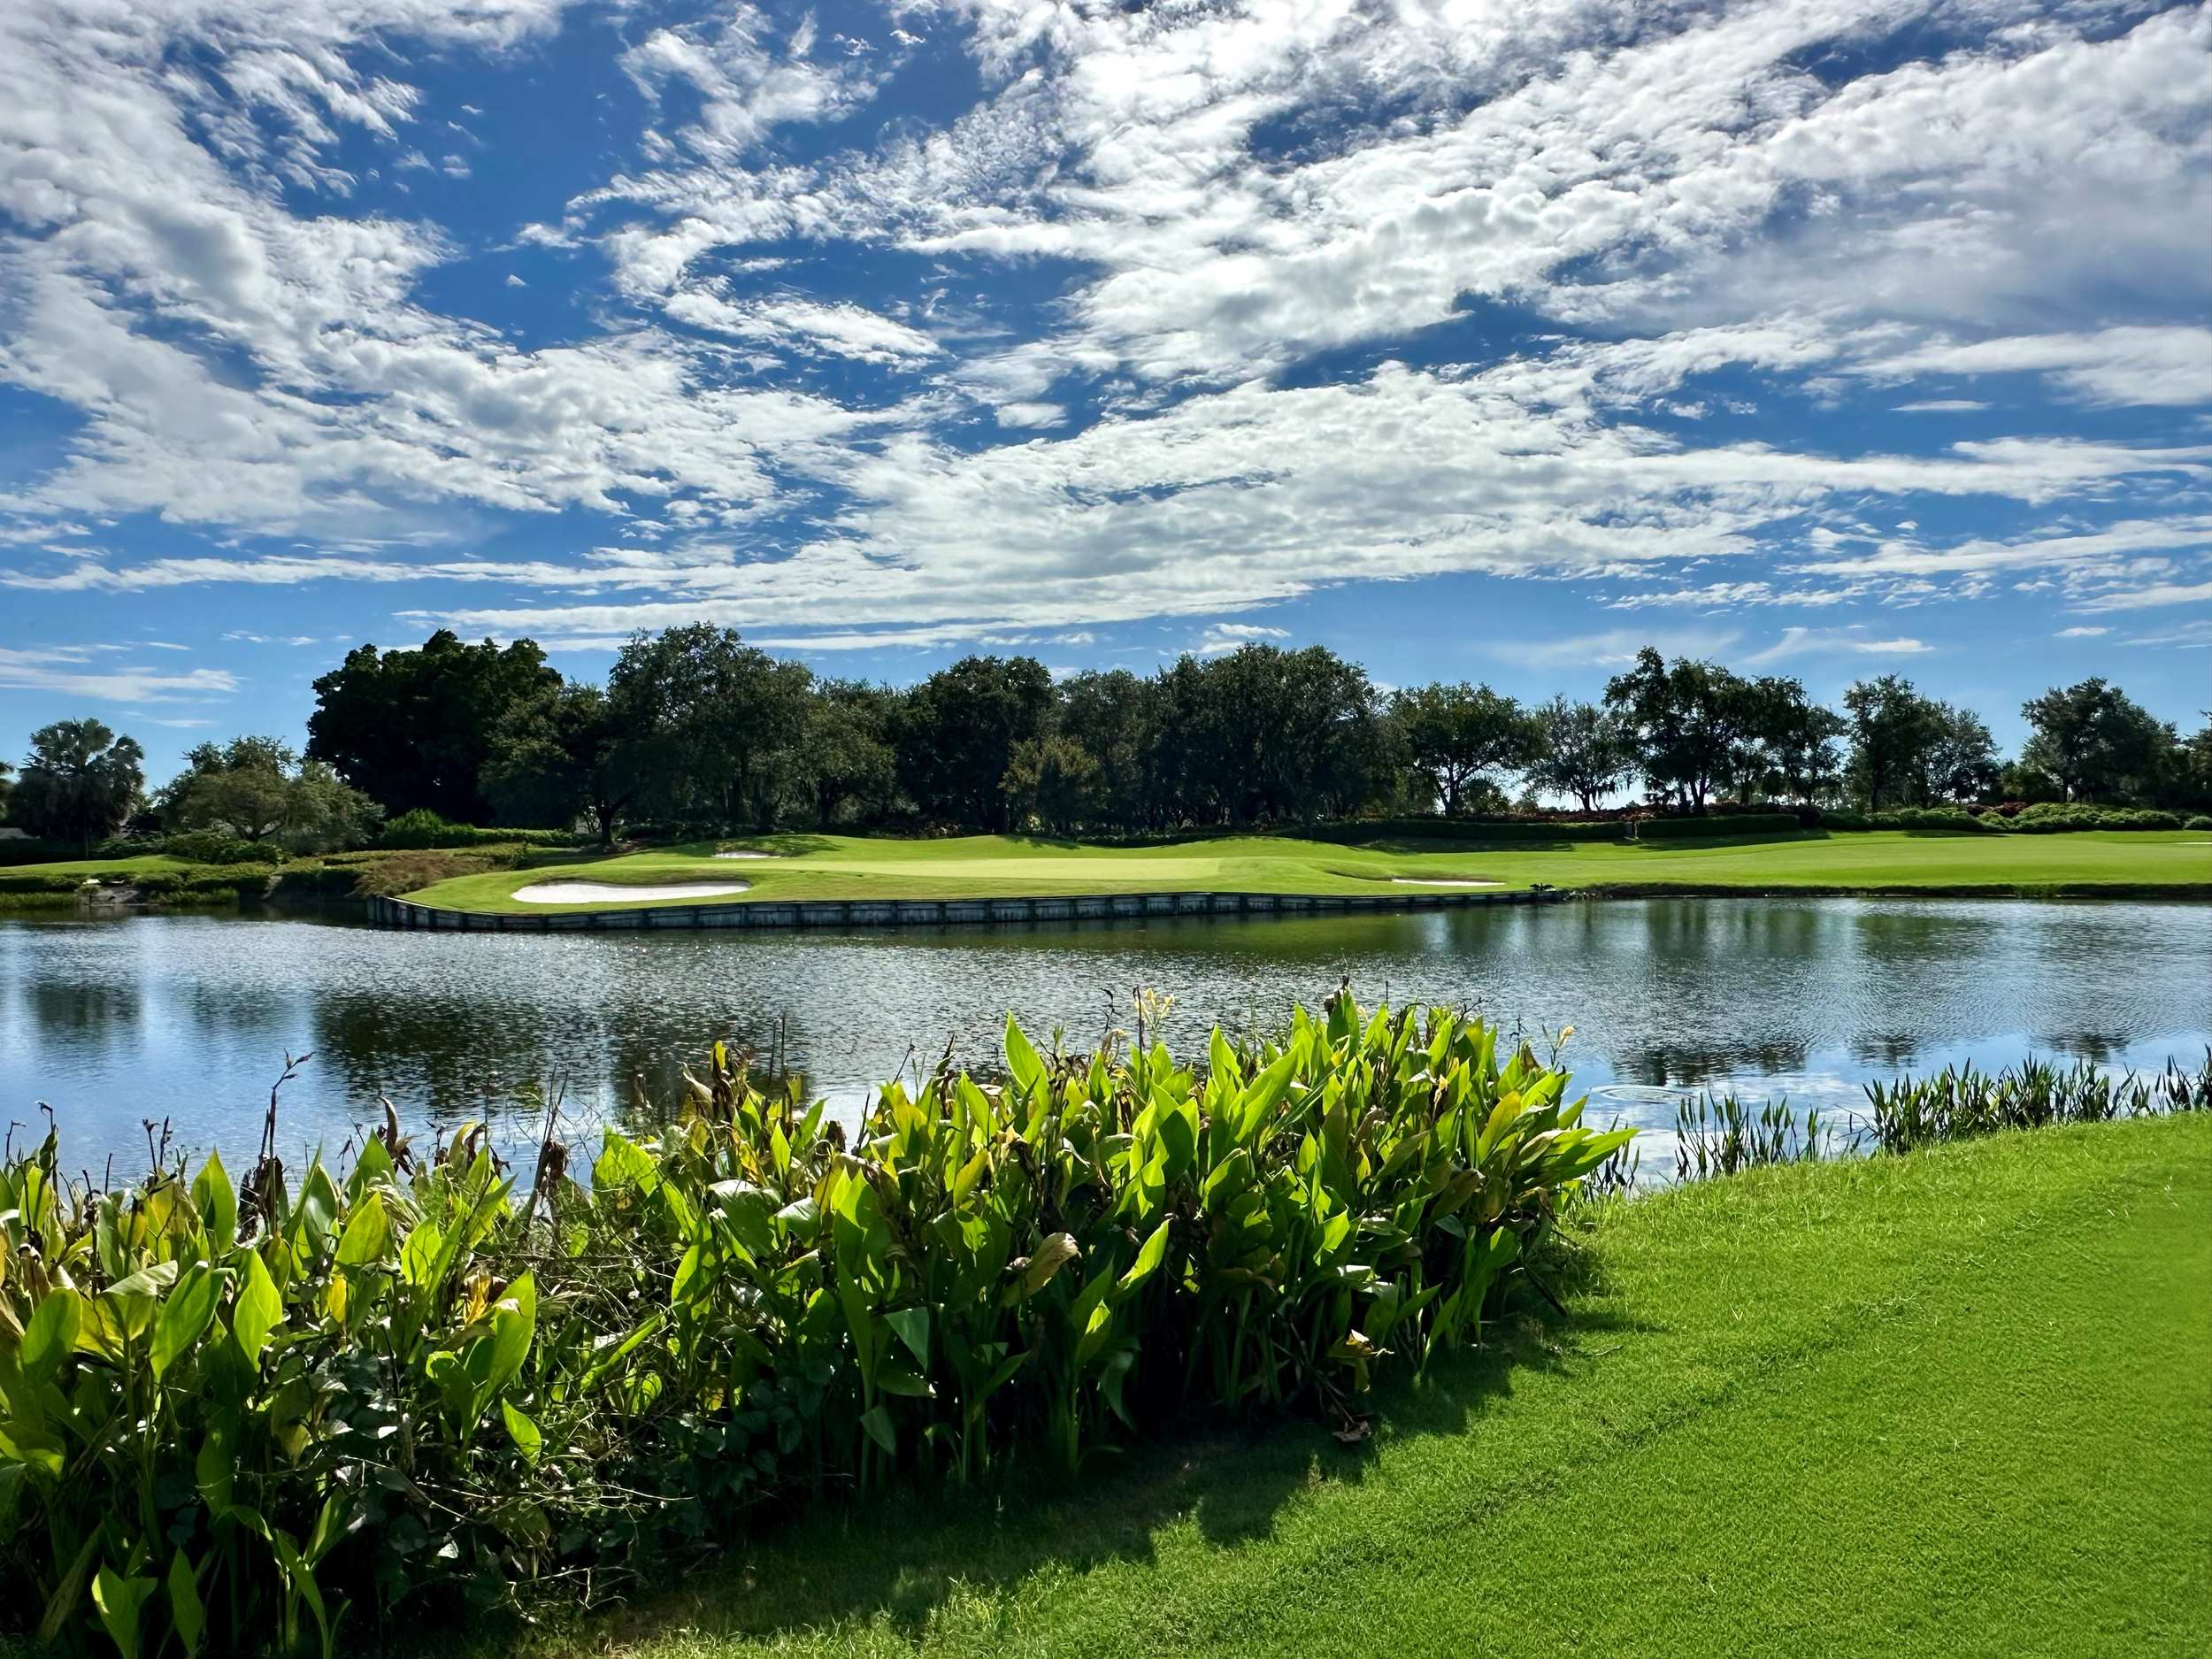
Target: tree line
{"x": 696, "y": 730}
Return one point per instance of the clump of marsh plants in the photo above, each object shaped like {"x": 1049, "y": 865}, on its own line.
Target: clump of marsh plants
{"x": 1962, "y": 1101}
{"x": 1721, "y": 1135}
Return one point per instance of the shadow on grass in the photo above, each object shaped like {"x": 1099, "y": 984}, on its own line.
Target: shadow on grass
{"x": 898, "y": 1557}
{"x": 1405, "y": 844}
{"x": 780, "y": 843}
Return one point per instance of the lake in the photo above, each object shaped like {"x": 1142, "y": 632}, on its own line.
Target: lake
{"x": 188, "y": 1018}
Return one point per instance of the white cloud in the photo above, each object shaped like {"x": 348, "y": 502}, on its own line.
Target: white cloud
{"x": 2114, "y": 365}
{"x": 2149, "y": 598}
{"x": 2081, "y": 633}
{"x": 844, "y": 330}
{"x": 1023, "y": 413}
{"x": 1221, "y": 638}
{"x": 77, "y": 671}
{"x": 1852, "y": 642}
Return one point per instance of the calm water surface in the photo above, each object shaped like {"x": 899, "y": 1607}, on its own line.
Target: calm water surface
{"x": 189, "y": 1018}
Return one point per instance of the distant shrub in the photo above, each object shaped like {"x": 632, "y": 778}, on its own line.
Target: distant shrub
{"x": 423, "y": 829}
{"x": 1461, "y": 829}
{"x": 1912, "y": 817}
{"x": 212, "y": 846}
{"x": 2052, "y": 816}
{"x": 2198, "y": 822}
{"x": 387, "y": 877}
{"x": 15, "y": 850}
{"x": 39, "y": 881}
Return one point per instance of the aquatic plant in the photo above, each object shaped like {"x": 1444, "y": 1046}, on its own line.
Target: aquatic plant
{"x": 1961, "y": 1101}
{"x": 1722, "y": 1135}
{"x": 227, "y": 1414}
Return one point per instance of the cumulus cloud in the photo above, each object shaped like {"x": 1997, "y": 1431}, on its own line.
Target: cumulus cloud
{"x": 1193, "y": 310}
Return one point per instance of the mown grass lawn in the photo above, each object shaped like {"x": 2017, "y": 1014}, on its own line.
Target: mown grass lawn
{"x": 146, "y": 864}
{"x": 846, "y": 867}
{"x": 1955, "y": 1403}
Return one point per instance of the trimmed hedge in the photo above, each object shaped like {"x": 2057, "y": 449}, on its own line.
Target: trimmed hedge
{"x": 37, "y": 852}
{"x": 1730, "y": 826}
{"x": 423, "y": 831}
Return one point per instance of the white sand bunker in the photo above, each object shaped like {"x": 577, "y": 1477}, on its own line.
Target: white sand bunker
{"x": 1440, "y": 881}
{"x": 746, "y": 854}
{"x": 599, "y": 892}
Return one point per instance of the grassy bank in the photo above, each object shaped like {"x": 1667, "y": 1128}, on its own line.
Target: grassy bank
{"x": 165, "y": 880}
{"x": 842, "y": 867}
{"x": 1949, "y": 1403}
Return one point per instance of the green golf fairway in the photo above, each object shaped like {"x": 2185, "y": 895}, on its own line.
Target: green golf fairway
{"x": 987, "y": 866}
{"x": 1954, "y": 1403}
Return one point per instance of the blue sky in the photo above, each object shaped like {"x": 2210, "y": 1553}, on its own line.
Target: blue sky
{"x": 1473, "y": 339}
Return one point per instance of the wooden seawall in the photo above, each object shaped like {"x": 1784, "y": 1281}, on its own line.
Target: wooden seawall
{"x": 840, "y": 913}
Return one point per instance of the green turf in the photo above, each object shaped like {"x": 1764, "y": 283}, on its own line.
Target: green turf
{"x": 845, "y": 867}
{"x": 1958, "y": 1403}
{"x": 146, "y": 864}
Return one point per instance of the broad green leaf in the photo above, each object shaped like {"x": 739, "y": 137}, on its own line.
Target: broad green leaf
{"x": 257, "y": 1309}
{"x": 912, "y": 1325}
{"x": 213, "y": 1196}
{"x": 28, "y": 1445}
{"x": 186, "y": 1612}
{"x": 185, "y": 1316}
{"x": 893, "y": 1377}
{"x": 524, "y": 1433}
{"x": 881, "y": 1430}
{"x": 514, "y": 1326}
{"x": 1147, "y": 1261}
{"x": 418, "y": 1256}
{"x": 1023, "y": 1063}
{"x": 51, "y": 1335}
{"x": 120, "y": 1601}
{"x": 368, "y": 1230}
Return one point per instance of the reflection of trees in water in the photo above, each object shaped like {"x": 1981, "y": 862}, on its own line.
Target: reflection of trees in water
{"x": 283, "y": 1020}
{"x": 66, "y": 1009}
{"x": 2095, "y": 1045}
{"x": 1678, "y": 1064}
{"x": 450, "y": 1062}
{"x": 1886, "y": 1051}
{"x": 1887, "y": 934}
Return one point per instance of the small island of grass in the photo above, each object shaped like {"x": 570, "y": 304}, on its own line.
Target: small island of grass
{"x": 2177, "y": 863}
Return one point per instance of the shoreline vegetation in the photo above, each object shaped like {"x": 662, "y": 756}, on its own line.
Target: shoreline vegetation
{"x": 257, "y": 1413}
{"x": 484, "y": 879}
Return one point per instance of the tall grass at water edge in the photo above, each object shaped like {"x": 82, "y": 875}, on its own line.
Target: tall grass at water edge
{"x": 1722, "y": 1135}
